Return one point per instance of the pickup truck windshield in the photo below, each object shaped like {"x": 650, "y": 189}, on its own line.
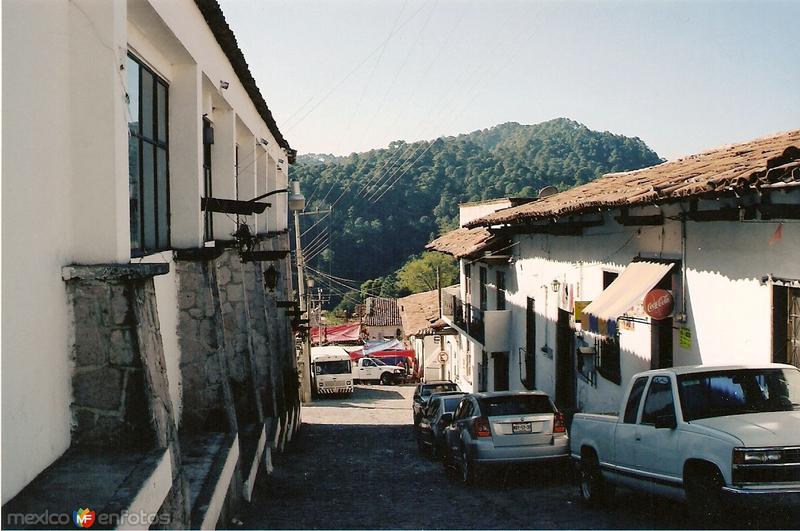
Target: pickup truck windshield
{"x": 738, "y": 392}
{"x": 333, "y": 367}
{"x": 515, "y": 405}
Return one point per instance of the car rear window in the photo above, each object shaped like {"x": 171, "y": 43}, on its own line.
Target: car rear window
{"x": 515, "y": 405}
{"x": 428, "y": 390}
{"x": 450, "y": 404}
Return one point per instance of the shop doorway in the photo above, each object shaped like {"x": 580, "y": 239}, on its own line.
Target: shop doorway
{"x": 565, "y": 362}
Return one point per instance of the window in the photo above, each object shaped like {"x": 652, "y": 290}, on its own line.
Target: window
{"x": 659, "y": 400}
{"x": 737, "y": 392}
{"x": 632, "y": 407}
{"x": 208, "y": 141}
{"x": 501, "y": 290}
{"x": 148, "y": 173}
{"x": 608, "y": 355}
{"x": 482, "y": 282}
{"x": 468, "y": 281}
{"x": 516, "y": 405}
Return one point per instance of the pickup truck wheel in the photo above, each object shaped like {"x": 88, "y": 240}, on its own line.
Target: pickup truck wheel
{"x": 386, "y": 378}
{"x": 594, "y": 489}
{"x": 704, "y": 493}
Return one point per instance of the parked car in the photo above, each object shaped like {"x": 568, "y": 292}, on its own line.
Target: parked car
{"x": 504, "y": 428}
{"x": 424, "y": 391}
{"x": 701, "y": 433}
{"x": 435, "y": 417}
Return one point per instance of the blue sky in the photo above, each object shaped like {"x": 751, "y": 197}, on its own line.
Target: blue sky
{"x": 352, "y": 75}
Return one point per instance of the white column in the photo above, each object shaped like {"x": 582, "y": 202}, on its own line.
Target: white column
{"x": 260, "y": 223}
{"x": 247, "y": 173}
{"x": 186, "y": 156}
{"x": 281, "y": 204}
{"x": 272, "y": 184}
{"x": 98, "y": 131}
{"x": 222, "y": 169}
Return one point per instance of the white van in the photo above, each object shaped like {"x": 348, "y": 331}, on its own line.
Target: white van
{"x": 332, "y": 370}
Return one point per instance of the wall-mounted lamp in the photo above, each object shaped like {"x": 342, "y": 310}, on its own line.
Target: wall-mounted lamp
{"x": 264, "y": 142}
{"x": 224, "y": 85}
{"x": 271, "y": 278}
{"x": 280, "y": 161}
{"x": 555, "y": 285}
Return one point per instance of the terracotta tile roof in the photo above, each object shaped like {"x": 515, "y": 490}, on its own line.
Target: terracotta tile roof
{"x": 419, "y": 311}
{"x": 772, "y": 161}
{"x": 212, "y": 13}
{"x": 462, "y": 242}
{"x": 382, "y": 312}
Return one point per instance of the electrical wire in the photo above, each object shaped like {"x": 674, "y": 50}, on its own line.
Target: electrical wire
{"x": 351, "y": 72}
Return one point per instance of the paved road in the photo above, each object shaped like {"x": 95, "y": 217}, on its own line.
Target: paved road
{"x": 356, "y": 466}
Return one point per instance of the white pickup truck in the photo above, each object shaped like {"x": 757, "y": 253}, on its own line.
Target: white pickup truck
{"x": 700, "y": 433}
{"x": 374, "y": 370}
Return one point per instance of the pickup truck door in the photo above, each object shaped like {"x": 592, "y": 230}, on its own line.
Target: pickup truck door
{"x": 366, "y": 369}
{"x": 626, "y": 433}
{"x": 658, "y": 453}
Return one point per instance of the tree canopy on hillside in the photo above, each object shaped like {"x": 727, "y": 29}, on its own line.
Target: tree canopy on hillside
{"x": 388, "y": 203}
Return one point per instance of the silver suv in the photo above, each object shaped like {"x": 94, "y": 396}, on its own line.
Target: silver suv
{"x": 504, "y": 428}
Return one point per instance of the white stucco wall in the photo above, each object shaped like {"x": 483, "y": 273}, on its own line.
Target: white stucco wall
{"x": 728, "y": 309}
{"x": 65, "y": 184}
{"x": 469, "y": 211}
{"x": 59, "y": 115}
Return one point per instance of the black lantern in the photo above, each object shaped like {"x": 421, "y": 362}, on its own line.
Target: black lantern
{"x": 271, "y": 278}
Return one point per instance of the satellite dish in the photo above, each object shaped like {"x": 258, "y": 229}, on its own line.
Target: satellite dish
{"x": 547, "y": 191}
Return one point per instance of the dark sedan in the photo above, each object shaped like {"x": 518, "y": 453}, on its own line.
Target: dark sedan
{"x": 436, "y": 415}
{"x": 424, "y": 391}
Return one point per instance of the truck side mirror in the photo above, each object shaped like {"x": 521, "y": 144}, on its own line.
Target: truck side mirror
{"x": 666, "y": 421}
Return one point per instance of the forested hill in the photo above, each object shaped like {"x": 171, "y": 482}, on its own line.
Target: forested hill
{"x": 388, "y": 203}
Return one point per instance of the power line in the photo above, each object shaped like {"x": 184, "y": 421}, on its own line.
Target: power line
{"x": 353, "y": 71}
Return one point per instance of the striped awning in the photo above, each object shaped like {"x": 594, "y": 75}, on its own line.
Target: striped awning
{"x": 638, "y": 278}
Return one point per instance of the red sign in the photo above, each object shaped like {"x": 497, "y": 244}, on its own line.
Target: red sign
{"x": 659, "y": 304}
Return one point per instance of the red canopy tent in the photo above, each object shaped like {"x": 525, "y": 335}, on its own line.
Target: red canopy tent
{"x": 346, "y": 333}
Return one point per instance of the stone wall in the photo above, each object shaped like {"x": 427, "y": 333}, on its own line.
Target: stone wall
{"x": 208, "y": 400}
{"x": 120, "y": 386}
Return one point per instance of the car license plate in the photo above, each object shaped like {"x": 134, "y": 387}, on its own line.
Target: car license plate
{"x": 521, "y": 427}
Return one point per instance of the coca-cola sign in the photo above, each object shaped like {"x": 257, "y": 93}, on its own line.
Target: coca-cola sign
{"x": 659, "y": 304}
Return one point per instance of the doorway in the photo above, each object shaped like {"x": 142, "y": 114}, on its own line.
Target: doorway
{"x": 565, "y": 362}
{"x": 500, "y": 371}
{"x": 529, "y": 378}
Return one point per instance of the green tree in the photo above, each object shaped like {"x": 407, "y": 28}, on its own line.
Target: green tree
{"x": 419, "y": 274}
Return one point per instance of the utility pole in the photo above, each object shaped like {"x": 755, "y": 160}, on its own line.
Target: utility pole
{"x": 305, "y": 386}
{"x": 439, "y": 291}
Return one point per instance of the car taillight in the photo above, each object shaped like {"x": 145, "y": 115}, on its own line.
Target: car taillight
{"x": 558, "y": 423}
{"x": 480, "y": 427}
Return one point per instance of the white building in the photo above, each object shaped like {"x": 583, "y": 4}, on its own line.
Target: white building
{"x": 129, "y": 320}
{"x": 426, "y": 333}
{"x": 719, "y": 231}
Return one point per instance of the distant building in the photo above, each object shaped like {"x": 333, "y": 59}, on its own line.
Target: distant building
{"x": 381, "y": 319}
{"x": 694, "y": 261}
{"x": 425, "y": 332}
{"x": 147, "y": 367}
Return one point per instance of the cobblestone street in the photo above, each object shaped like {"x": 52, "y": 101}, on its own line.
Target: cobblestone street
{"x": 356, "y": 466}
